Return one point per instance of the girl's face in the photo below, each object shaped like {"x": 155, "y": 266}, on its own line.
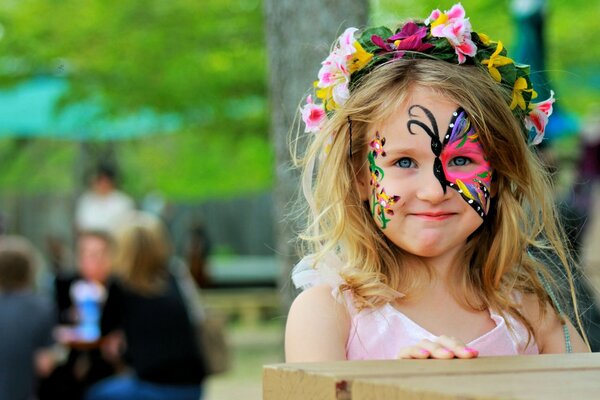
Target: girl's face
{"x": 428, "y": 179}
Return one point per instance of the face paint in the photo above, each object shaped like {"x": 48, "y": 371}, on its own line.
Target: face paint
{"x": 466, "y": 166}
{"x": 381, "y": 202}
{"x": 432, "y": 131}
{"x": 383, "y": 205}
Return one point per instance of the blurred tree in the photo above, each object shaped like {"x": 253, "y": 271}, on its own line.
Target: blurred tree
{"x": 200, "y": 59}
{"x": 299, "y": 35}
{"x": 203, "y": 61}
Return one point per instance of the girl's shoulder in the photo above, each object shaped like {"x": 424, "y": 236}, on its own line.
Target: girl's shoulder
{"x": 323, "y": 277}
{"x": 319, "y": 298}
{"x": 317, "y": 327}
{"x": 549, "y": 327}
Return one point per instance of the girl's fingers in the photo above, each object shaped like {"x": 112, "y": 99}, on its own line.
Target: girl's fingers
{"x": 444, "y": 347}
{"x": 414, "y": 352}
{"x": 457, "y": 347}
{"x": 437, "y": 350}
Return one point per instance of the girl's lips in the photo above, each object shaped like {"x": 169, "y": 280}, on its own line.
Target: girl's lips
{"x": 434, "y": 216}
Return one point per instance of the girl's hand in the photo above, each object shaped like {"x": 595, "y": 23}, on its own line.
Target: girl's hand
{"x": 444, "y": 347}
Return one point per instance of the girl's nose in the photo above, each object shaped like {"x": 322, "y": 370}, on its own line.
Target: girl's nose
{"x": 431, "y": 189}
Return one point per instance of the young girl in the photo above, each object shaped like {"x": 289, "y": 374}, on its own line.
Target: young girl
{"x": 429, "y": 213}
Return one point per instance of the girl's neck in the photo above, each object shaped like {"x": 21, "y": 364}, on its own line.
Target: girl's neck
{"x": 444, "y": 266}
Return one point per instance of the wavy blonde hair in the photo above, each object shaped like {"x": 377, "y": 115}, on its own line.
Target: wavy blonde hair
{"x": 502, "y": 256}
{"x": 142, "y": 253}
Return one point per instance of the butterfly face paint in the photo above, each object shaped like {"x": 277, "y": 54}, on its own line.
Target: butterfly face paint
{"x": 460, "y": 161}
{"x": 381, "y": 202}
{"x": 432, "y": 130}
{"x": 466, "y": 167}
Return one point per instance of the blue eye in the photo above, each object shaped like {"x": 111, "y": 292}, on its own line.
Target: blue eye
{"x": 460, "y": 161}
{"x": 405, "y": 162}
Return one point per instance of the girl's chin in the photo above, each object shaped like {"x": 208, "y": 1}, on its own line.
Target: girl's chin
{"x": 425, "y": 248}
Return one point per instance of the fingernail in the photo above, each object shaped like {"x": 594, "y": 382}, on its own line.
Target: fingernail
{"x": 445, "y": 351}
{"x": 424, "y": 352}
{"x": 471, "y": 350}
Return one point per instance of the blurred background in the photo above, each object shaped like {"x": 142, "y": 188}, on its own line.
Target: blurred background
{"x": 189, "y": 103}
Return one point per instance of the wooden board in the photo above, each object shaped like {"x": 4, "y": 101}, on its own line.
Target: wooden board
{"x": 575, "y": 376}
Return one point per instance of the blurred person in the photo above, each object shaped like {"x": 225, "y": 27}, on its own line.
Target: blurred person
{"x": 586, "y": 198}
{"x": 27, "y": 321}
{"x": 79, "y": 297}
{"x": 102, "y": 206}
{"x": 145, "y": 315}
{"x": 198, "y": 251}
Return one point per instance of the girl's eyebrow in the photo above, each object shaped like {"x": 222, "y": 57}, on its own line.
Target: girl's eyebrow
{"x": 408, "y": 149}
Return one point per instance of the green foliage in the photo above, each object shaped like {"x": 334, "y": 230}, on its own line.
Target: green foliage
{"x": 31, "y": 166}
{"x": 189, "y": 166}
{"x": 204, "y": 61}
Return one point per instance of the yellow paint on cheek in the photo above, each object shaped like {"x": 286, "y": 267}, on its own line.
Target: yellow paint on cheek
{"x": 464, "y": 189}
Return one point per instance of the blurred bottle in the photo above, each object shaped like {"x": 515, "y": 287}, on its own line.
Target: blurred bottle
{"x": 88, "y": 298}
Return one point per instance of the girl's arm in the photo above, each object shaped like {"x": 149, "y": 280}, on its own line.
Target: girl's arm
{"x": 317, "y": 327}
{"x": 549, "y": 334}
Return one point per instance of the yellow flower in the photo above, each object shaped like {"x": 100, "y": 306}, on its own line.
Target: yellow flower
{"x": 359, "y": 59}
{"x": 485, "y": 39}
{"x": 326, "y": 94}
{"x": 517, "y": 96}
{"x": 496, "y": 60}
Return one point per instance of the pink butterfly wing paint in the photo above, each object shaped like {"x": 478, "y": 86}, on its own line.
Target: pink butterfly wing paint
{"x": 472, "y": 181}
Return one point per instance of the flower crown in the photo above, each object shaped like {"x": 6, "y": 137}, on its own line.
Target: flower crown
{"x": 444, "y": 36}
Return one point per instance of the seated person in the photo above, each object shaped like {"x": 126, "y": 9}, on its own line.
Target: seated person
{"x": 27, "y": 321}
{"x": 80, "y": 297}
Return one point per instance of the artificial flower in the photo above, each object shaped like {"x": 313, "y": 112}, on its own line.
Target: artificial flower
{"x": 453, "y": 26}
{"x": 313, "y": 115}
{"x": 538, "y": 116}
{"x": 335, "y": 71}
{"x": 410, "y": 38}
{"x": 496, "y": 60}
{"x": 359, "y": 59}
{"x": 521, "y": 86}
{"x": 485, "y": 39}
{"x": 346, "y": 41}
{"x": 333, "y": 81}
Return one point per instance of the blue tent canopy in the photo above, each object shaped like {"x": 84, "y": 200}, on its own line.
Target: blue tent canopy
{"x": 29, "y": 110}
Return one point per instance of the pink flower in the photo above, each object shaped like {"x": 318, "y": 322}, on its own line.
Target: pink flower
{"x": 346, "y": 42}
{"x": 313, "y": 115}
{"x": 538, "y": 118}
{"x": 335, "y": 72}
{"x": 456, "y": 28}
{"x": 409, "y": 38}
{"x": 333, "y": 80}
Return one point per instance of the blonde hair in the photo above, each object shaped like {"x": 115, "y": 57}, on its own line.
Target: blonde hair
{"x": 498, "y": 257}
{"x": 142, "y": 253}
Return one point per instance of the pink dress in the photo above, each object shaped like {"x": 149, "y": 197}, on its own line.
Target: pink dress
{"x": 378, "y": 334}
